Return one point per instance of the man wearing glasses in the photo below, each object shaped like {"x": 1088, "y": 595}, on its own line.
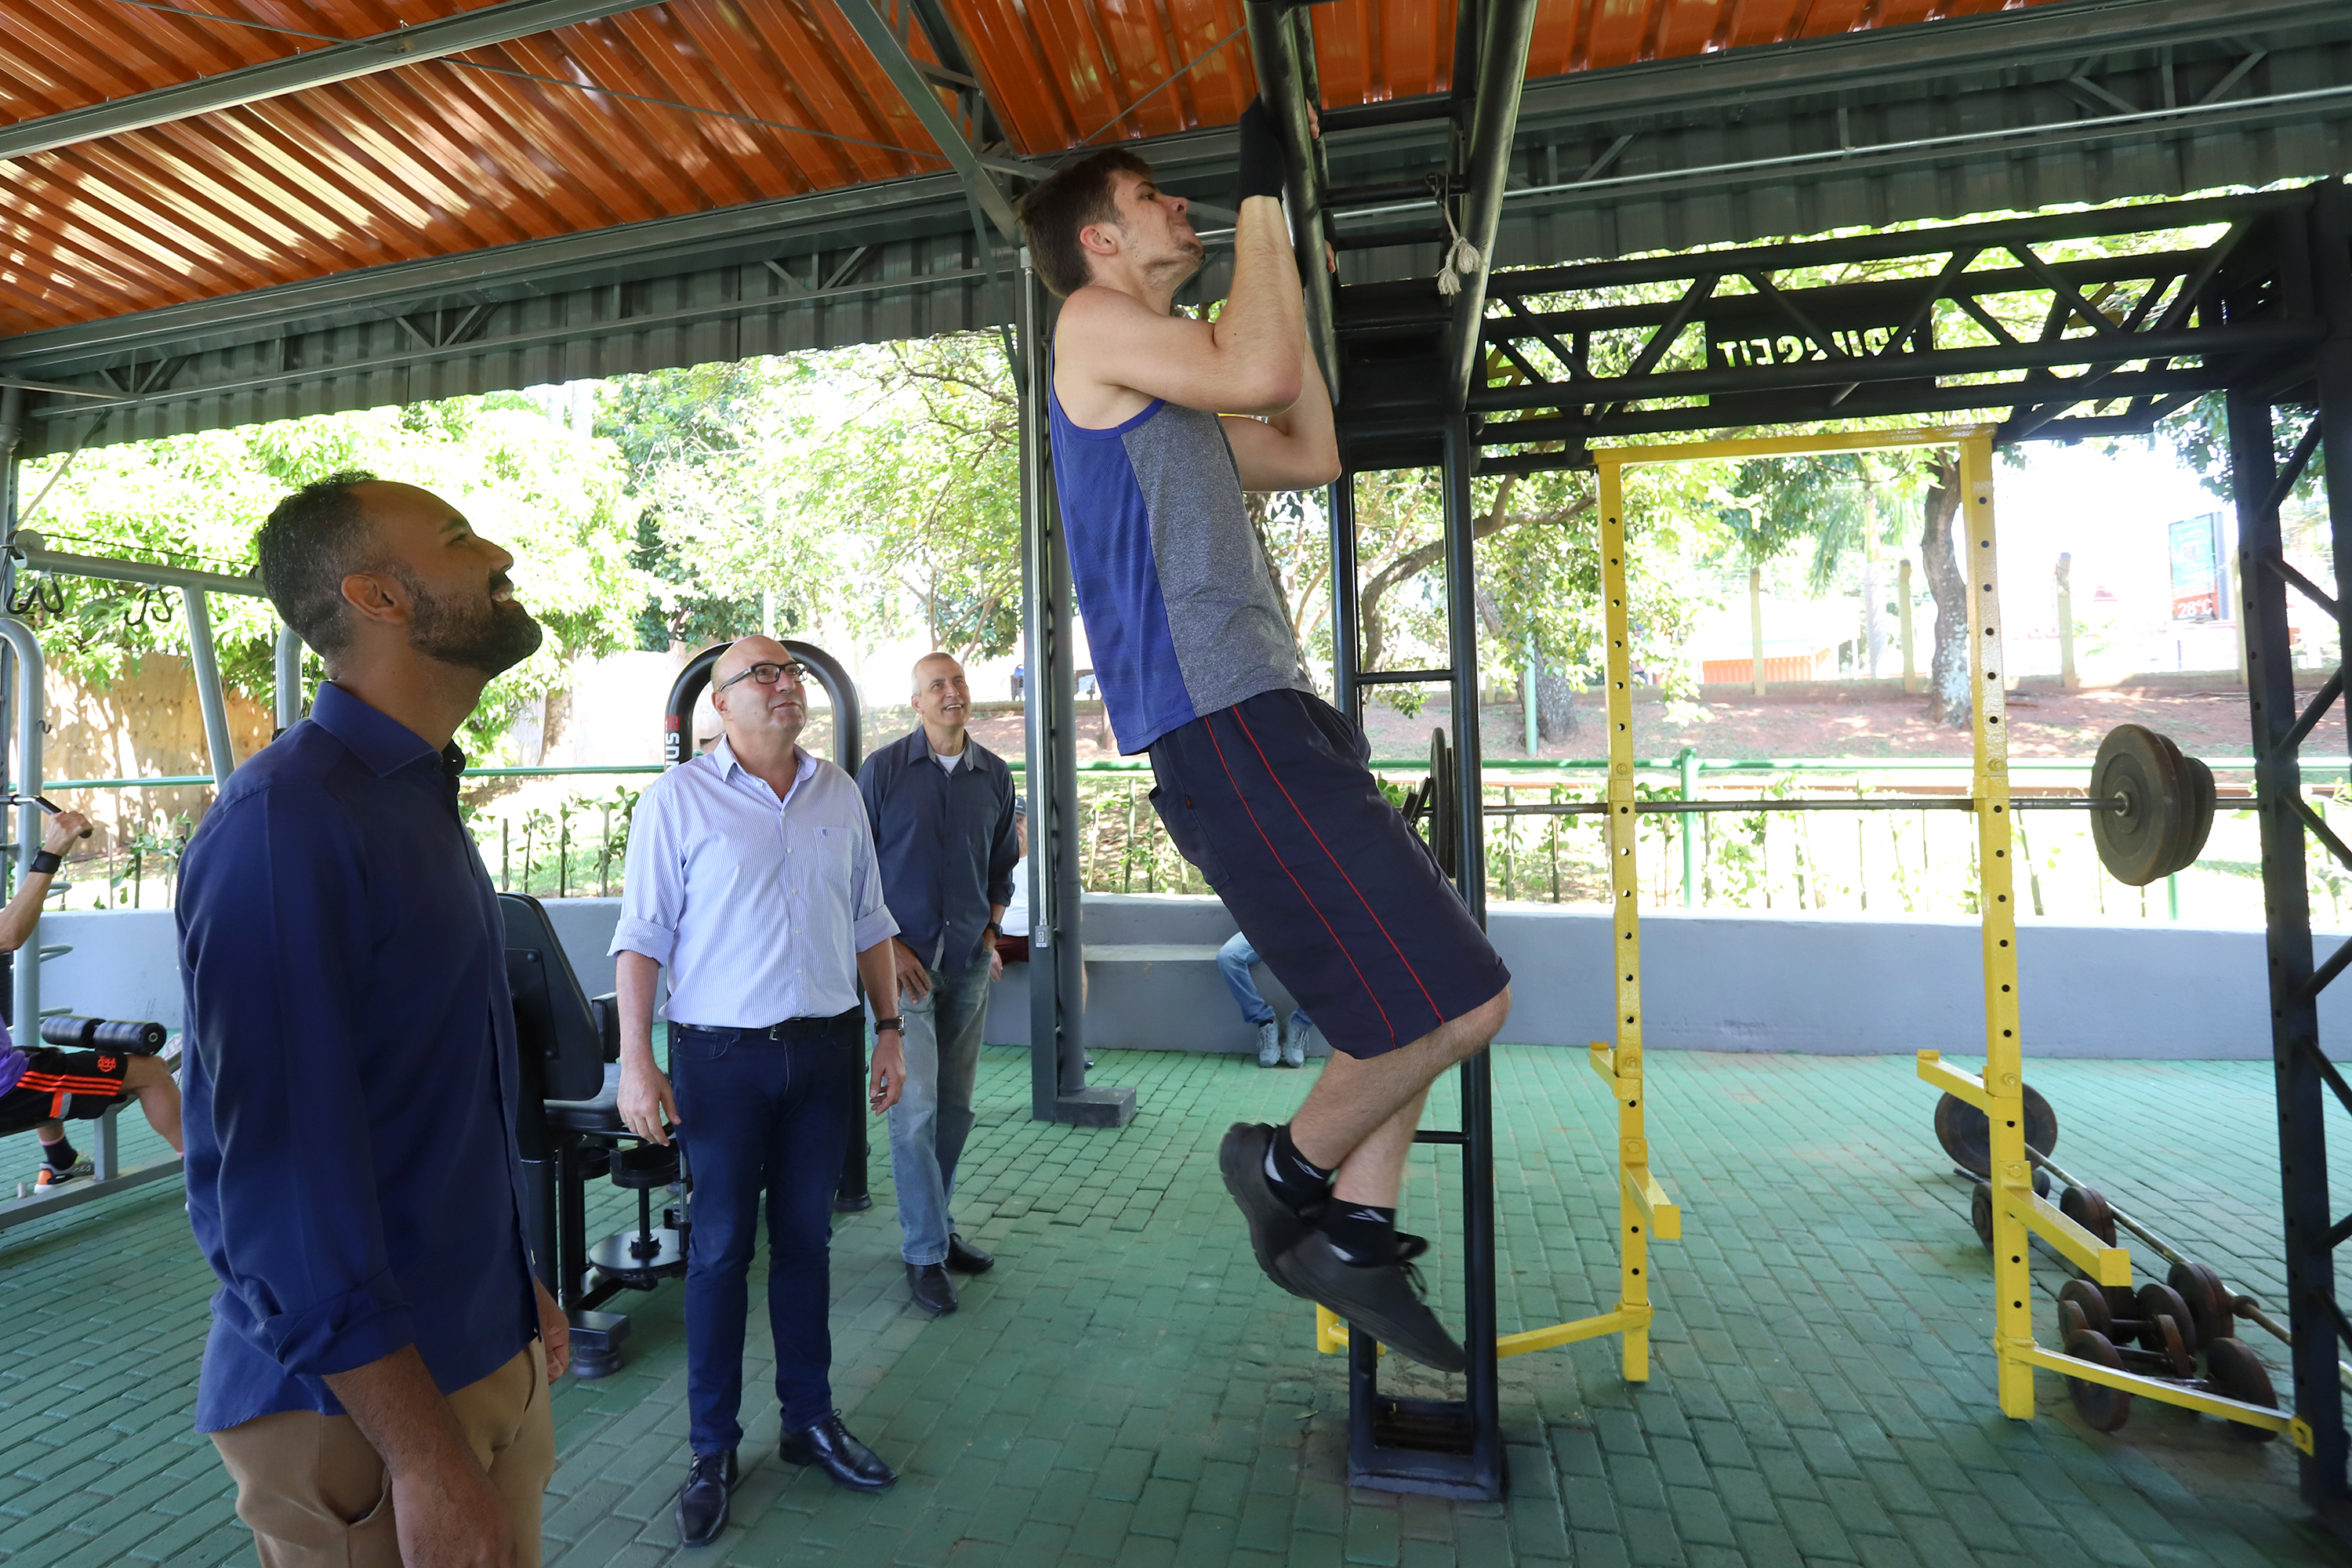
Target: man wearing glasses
{"x": 752, "y": 880}
{"x": 941, "y": 804}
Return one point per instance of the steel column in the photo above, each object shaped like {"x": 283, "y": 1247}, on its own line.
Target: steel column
{"x": 1347, "y": 645}
{"x": 25, "y": 779}
{"x": 1057, "y": 1059}
{"x": 204, "y": 659}
{"x": 1478, "y": 1263}
{"x": 287, "y": 661}
{"x": 2304, "y": 1167}
{"x": 2286, "y": 901}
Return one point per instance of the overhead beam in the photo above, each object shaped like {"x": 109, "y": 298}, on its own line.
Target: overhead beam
{"x": 314, "y": 67}
{"x": 1502, "y": 71}
{"x": 890, "y": 53}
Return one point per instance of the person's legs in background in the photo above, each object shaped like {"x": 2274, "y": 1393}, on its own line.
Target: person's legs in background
{"x": 1234, "y": 961}
{"x": 962, "y": 1011}
{"x": 914, "y": 1157}
{"x": 1293, "y": 1039}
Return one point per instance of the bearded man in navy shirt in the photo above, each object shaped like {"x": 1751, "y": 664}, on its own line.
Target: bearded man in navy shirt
{"x": 376, "y": 1375}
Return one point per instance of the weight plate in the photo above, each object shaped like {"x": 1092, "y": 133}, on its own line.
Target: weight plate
{"x": 2071, "y": 1321}
{"x": 2088, "y": 1300}
{"x": 2040, "y": 1181}
{"x": 2197, "y": 824}
{"x": 2158, "y": 1303}
{"x": 1981, "y": 1214}
{"x": 2104, "y": 1409}
{"x": 1967, "y": 1135}
{"x": 2088, "y": 1208}
{"x": 2234, "y": 1372}
{"x": 2208, "y": 1301}
{"x": 2145, "y": 770}
{"x": 2173, "y": 1346}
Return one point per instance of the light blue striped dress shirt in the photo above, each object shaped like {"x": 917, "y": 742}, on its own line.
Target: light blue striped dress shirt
{"x": 758, "y": 908}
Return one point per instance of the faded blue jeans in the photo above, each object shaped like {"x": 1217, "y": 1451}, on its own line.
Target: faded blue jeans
{"x": 933, "y": 1117}
{"x": 1234, "y": 961}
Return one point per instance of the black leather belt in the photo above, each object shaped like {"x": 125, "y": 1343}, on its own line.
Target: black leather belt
{"x": 790, "y": 1031}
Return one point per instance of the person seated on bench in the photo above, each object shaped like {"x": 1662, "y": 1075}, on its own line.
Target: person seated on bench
{"x": 45, "y": 1087}
{"x": 1278, "y": 1045}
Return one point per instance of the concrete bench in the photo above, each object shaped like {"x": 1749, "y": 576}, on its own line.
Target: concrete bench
{"x": 1149, "y": 953}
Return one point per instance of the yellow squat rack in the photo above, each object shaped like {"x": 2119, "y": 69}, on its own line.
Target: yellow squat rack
{"x": 1645, "y": 1211}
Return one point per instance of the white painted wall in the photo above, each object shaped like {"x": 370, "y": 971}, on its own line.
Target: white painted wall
{"x": 1805, "y": 983}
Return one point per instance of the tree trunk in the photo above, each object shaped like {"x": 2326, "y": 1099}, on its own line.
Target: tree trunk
{"x": 1950, "y": 691}
{"x": 558, "y": 723}
{"x": 1556, "y": 718}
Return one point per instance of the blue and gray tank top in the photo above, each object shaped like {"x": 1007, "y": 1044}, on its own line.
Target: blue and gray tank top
{"x": 1179, "y": 607}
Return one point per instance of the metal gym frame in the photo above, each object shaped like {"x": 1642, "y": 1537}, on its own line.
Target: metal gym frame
{"x": 27, "y": 554}
{"x": 2247, "y": 295}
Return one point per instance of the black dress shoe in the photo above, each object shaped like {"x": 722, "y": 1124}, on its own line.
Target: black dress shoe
{"x": 849, "y": 1461}
{"x": 929, "y": 1284}
{"x": 966, "y": 1259}
{"x": 702, "y": 1502}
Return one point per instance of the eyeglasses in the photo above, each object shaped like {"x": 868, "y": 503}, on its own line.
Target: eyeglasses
{"x": 768, "y": 674}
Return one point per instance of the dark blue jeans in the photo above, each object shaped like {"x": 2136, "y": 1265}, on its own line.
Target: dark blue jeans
{"x": 761, "y": 1115}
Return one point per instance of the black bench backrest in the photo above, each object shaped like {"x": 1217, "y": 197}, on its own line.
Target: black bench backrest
{"x": 561, "y": 1038}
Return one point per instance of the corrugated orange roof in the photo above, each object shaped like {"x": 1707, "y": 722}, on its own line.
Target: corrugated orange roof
{"x": 458, "y": 155}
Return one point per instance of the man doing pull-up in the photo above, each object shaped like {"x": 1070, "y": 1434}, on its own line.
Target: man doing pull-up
{"x": 1161, "y": 423}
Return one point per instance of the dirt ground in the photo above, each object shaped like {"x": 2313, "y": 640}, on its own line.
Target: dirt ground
{"x": 2049, "y": 724}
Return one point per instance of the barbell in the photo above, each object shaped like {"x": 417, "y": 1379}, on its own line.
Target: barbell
{"x": 2151, "y": 805}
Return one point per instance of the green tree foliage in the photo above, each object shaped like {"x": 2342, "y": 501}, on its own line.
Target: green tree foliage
{"x": 845, "y": 484}
{"x": 552, "y": 500}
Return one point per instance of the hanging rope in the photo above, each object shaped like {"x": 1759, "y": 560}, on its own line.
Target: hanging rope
{"x": 1461, "y": 255}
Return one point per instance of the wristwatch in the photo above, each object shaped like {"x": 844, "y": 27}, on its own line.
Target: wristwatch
{"x": 991, "y": 929}
{"x": 897, "y": 1024}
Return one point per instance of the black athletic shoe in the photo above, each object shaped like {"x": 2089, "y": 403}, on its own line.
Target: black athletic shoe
{"x": 963, "y": 1257}
{"x": 702, "y": 1502}
{"x": 1275, "y": 1226}
{"x": 1383, "y": 1300}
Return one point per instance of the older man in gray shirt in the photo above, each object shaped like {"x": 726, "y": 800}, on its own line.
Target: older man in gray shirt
{"x": 942, "y": 809}
{"x": 751, "y": 879}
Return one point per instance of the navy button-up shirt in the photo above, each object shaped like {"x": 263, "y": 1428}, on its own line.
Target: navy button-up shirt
{"x": 350, "y": 1072}
{"x": 946, "y": 843}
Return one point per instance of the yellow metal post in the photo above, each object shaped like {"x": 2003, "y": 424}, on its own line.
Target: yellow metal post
{"x": 2004, "y": 1069}
{"x": 1626, "y": 884}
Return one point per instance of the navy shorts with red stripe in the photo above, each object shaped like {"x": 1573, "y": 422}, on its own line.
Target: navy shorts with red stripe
{"x": 1273, "y": 801}
{"x": 64, "y": 1086}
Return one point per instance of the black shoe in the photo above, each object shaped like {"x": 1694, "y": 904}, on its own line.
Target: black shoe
{"x": 966, "y": 1259}
{"x": 849, "y": 1461}
{"x": 1381, "y": 1299}
{"x": 1275, "y": 1226}
{"x": 928, "y": 1282}
{"x": 702, "y": 1502}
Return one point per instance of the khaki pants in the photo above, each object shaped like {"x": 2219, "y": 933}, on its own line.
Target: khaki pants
{"x": 317, "y": 1496}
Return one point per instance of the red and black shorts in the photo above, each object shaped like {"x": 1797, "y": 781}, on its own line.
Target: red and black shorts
{"x": 1272, "y": 800}
{"x": 64, "y": 1086}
